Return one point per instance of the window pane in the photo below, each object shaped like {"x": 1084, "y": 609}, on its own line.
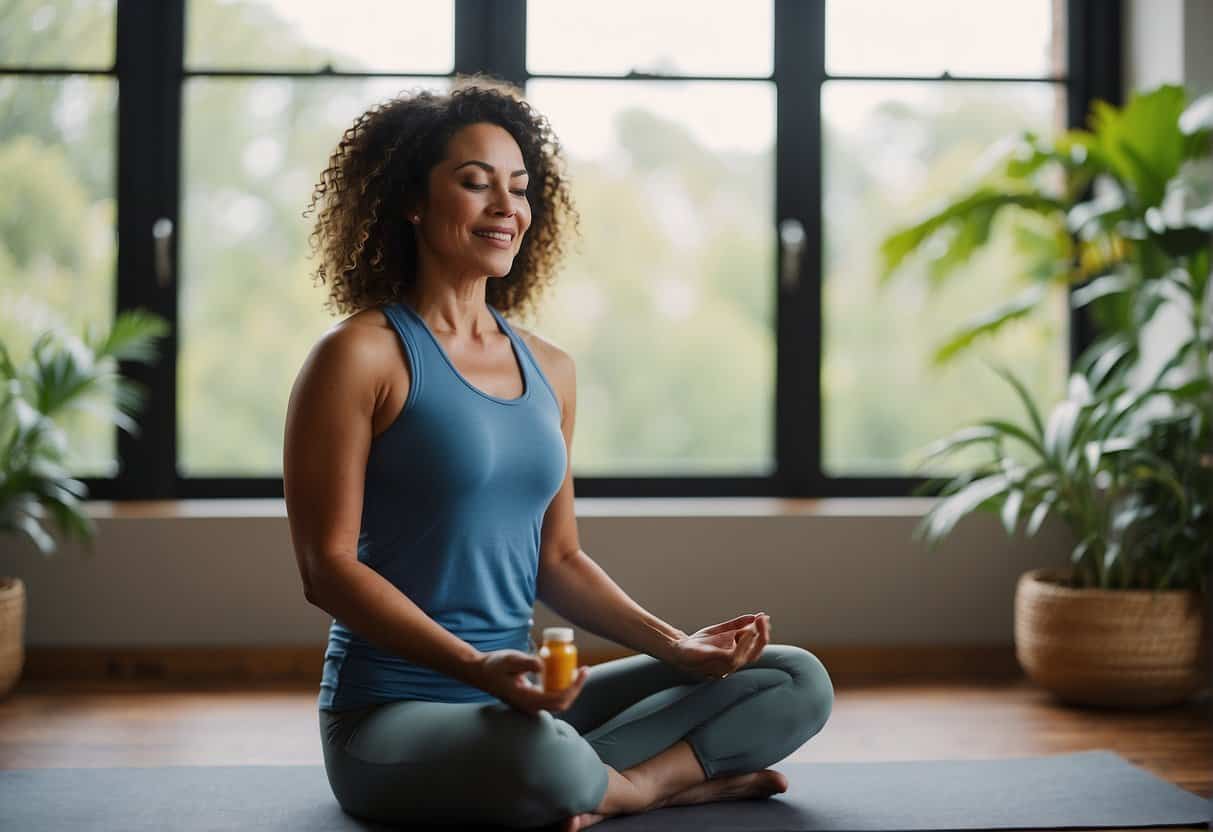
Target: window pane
{"x": 706, "y": 37}
{"x": 351, "y": 35}
{"x": 893, "y": 151}
{"x": 929, "y": 37}
{"x": 253, "y": 151}
{"x": 75, "y": 34}
{"x": 57, "y": 243}
{"x": 666, "y": 302}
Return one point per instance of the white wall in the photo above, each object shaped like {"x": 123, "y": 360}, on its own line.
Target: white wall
{"x": 845, "y": 572}
{"x": 1167, "y": 42}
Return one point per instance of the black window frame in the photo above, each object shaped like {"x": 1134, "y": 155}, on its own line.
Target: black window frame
{"x": 490, "y": 36}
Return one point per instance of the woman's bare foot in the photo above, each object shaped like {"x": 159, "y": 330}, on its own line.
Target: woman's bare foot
{"x": 752, "y": 786}
{"x": 581, "y": 821}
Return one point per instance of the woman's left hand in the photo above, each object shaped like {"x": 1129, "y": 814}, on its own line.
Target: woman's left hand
{"x": 720, "y": 649}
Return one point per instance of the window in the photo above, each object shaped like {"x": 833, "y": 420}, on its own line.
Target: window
{"x": 58, "y": 132}
{"x": 666, "y": 304}
{"x": 734, "y": 165}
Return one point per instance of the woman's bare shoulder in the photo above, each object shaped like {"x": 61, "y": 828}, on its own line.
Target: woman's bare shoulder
{"x": 368, "y": 328}
{"x": 366, "y": 342}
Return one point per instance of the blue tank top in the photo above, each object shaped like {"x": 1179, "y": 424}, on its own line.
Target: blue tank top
{"x": 454, "y": 497}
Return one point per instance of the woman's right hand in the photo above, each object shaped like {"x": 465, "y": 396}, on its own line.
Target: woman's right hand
{"x": 503, "y": 673}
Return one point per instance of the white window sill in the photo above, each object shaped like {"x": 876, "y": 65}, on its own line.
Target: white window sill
{"x": 585, "y": 507}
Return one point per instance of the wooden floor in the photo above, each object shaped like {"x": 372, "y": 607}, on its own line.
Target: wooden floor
{"x": 100, "y": 724}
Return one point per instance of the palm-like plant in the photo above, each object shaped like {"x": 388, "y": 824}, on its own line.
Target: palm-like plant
{"x": 1134, "y": 486}
{"x": 1143, "y": 232}
{"x": 63, "y": 373}
{"x": 1136, "y": 494}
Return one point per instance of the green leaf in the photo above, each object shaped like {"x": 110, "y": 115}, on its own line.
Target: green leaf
{"x": 1141, "y": 141}
{"x": 963, "y": 226}
{"x": 1097, "y": 449}
{"x": 989, "y": 322}
{"x": 1197, "y": 116}
{"x": 957, "y": 440}
{"x": 1038, "y": 514}
{"x": 60, "y": 371}
{"x": 1010, "y": 510}
{"x": 1109, "y": 284}
{"x": 28, "y": 525}
{"x": 1111, "y": 557}
{"x": 130, "y": 339}
{"x": 1176, "y": 360}
{"x": 1117, "y": 355}
{"x": 1025, "y": 398}
{"x": 1078, "y": 389}
{"x": 1103, "y": 214}
{"x": 8, "y": 370}
{"x": 1125, "y": 516}
{"x": 1163, "y": 474}
{"x": 1060, "y": 429}
{"x": 1084, "y": 546}
{"x": 943, "y": 516}
{"x": 1015, "y": 431}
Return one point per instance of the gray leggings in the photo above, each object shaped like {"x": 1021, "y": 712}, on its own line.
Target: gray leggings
{"x": 490, "y": 763}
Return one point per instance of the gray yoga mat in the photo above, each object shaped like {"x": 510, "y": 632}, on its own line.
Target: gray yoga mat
{"x": 1084, "y": 789}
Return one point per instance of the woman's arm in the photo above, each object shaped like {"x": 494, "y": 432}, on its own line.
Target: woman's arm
{"x": 327, "y": 441}
{"x": 570, "y": 582}
{"x": 578, "y": 589}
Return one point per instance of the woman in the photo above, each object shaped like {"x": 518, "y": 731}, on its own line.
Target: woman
{"x": 430, "y": 496}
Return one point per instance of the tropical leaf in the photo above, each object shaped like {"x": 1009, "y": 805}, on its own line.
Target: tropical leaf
{"x": 942, "y": 518}
{"x": 966, "y": 222}
{"x": 957, "y": 440}
{"x": 1109, "y": 284}
{"x": 990, "y": 322}
{"x": 1010, "y": 510}
{"x": 131, "y": 337}
{"x": 1140, "y": 140}
{"x": 63, "y": 372}
{"x": 1026, "y": 398}
{"x": 1060, "y": 428}
{"x": 1037, "y": 518}
{"x": 1197, "y": 116}
{"x": 1096, "y": 449}
{"x": 1002, "y": 427}
{"x": 1101, "y": 361}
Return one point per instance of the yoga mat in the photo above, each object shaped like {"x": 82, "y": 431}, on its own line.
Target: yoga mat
{"x": 1084, "y": 789}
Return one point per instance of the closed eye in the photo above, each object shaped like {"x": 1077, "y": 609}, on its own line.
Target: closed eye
{"x": 521, "y": 192}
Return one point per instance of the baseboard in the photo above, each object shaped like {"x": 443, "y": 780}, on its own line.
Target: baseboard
{"x": 304, "y": 663}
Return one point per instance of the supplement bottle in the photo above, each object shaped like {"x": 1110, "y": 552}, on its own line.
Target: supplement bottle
{"x": 559, "y": 657}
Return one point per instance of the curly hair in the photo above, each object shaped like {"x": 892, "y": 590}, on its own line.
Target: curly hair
{"x": 368, "y": 252}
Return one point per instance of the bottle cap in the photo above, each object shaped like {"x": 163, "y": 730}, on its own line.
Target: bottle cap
{"x": 557, "y": 633}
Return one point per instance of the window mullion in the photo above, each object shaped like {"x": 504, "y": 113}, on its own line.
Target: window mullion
{"x": 149, "y": 60}
{"x": 799, "y": 72}
{"x": 1093, "y": 56}
{"x": 490, "y": 37}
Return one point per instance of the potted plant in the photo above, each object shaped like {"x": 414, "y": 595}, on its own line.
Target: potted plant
{"x": 1125, "y": 459}
{"x": 1125, "y": 625}
{"x": 63, "y": 372}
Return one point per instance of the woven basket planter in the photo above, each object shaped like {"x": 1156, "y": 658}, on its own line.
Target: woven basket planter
{"x": 12, "y": 632}
{"x": 1119, "y": 648}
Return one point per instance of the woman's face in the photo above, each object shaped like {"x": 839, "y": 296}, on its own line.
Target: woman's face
{"x": 479, "y": 186}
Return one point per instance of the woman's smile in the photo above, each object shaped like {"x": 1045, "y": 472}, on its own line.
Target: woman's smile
{"x": 494, "y": 239}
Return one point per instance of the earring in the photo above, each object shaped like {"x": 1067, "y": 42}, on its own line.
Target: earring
{"x": 416, "y": 218}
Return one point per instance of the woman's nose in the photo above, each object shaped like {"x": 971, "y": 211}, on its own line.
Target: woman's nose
{"x": 501, "y": 201}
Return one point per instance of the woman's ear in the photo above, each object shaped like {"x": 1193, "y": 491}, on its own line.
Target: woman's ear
{"x": 414, "y": 211}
